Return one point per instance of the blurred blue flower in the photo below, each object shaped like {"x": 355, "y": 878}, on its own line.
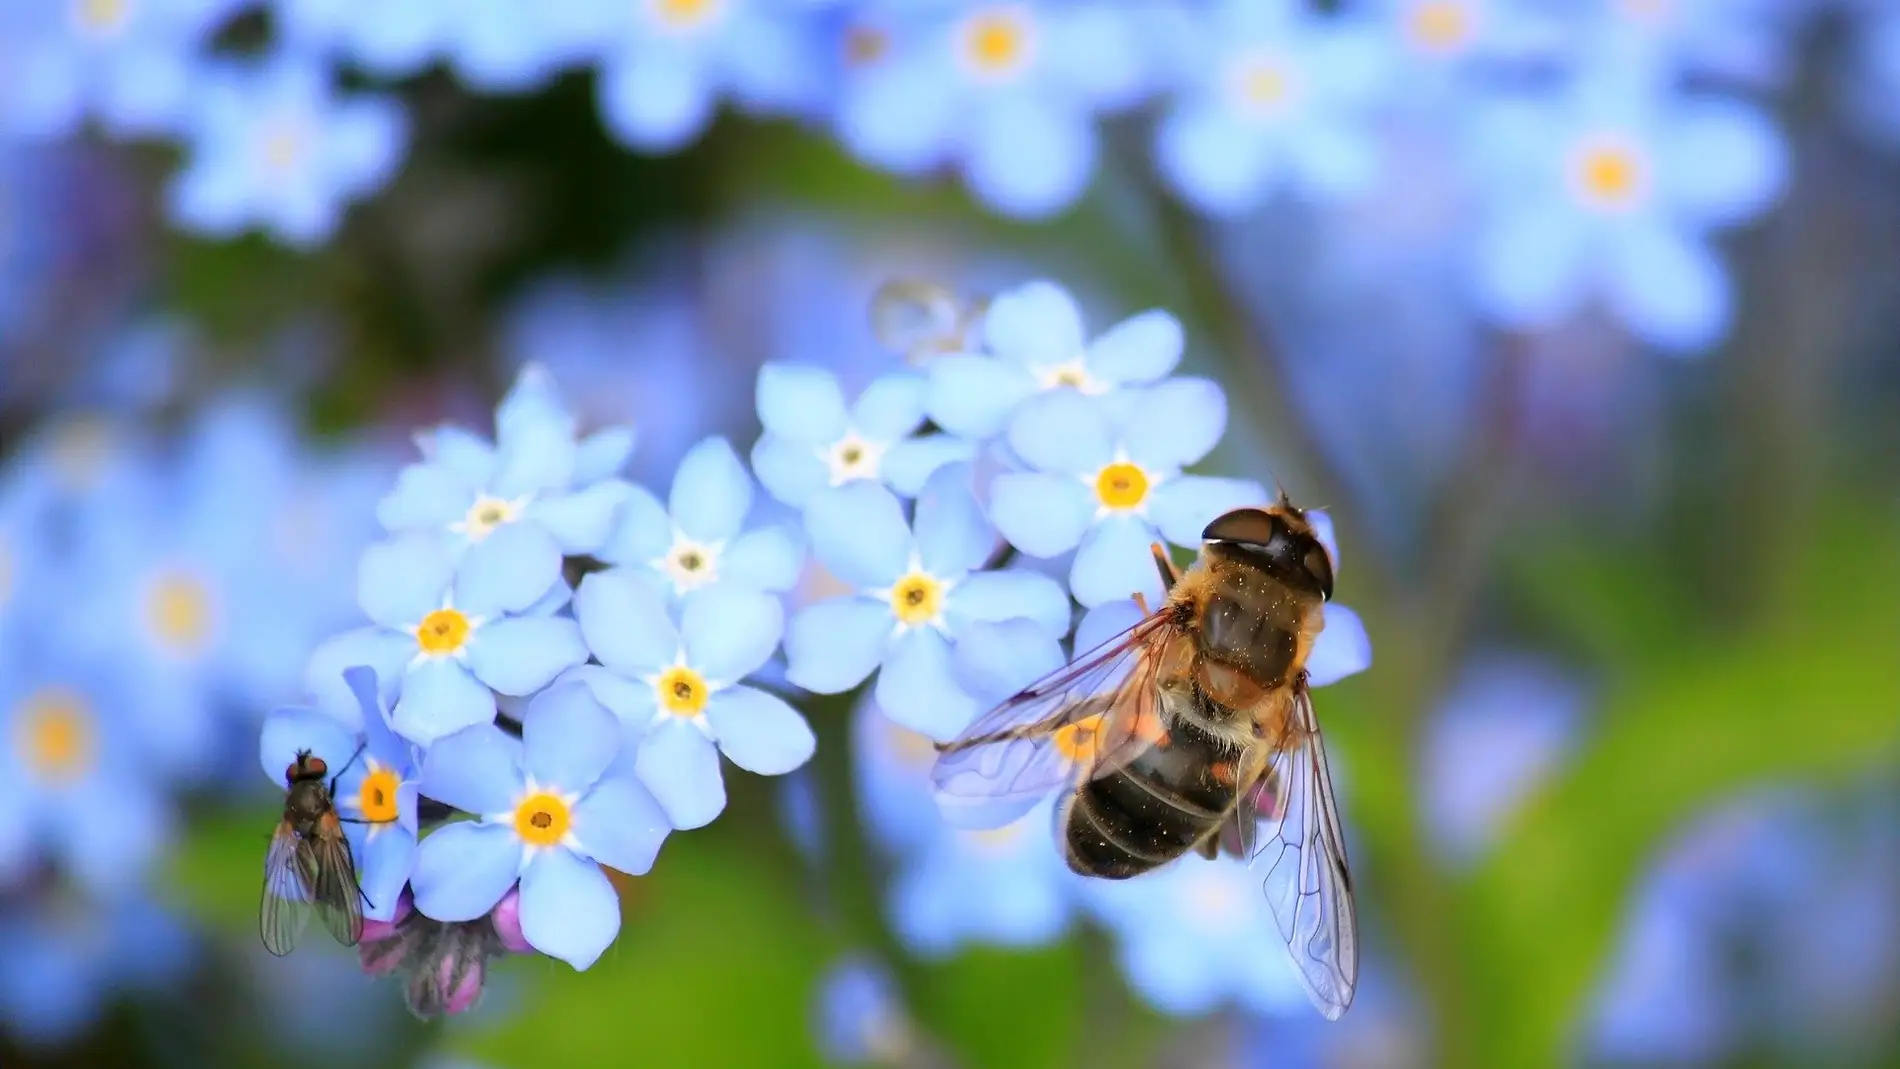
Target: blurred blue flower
{"x": 272, "y": 145}
{"x": 917, "y": 592}
{"x": 1273, "y": 92}
{"x": 1107, "y": 477}
{"x": 64, "y": 791}
{"x": 812, "y": 440}
{"x": 130, "y": 63}
{"x": 536, "y": 475}
{"x": 676, "y": 686}
{"x": 548, "y": 813}
{"x": 698, "y": 537}
{"x": 502, "y": 46}
{"x": 1010, "y": 91}
{"x": 1869, "y": 82}
{"x": 1035, "y": 342}
{"x": 1612, "y": 189}
{"x": 448, "y": 635}
{"x": 1746, "y": 42}
{"x": 665, "y": 63}
{"x": 66, "y": 958}
{"x": 860, "y": 1018}
{"x": 1197, "y": 935}
{"x": 376, "y": 783}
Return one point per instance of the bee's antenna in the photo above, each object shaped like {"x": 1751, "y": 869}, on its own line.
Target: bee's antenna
{"x": 1280, "y": 491}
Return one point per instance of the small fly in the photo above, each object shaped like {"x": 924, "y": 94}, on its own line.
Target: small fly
{"x": 310, "y": 864}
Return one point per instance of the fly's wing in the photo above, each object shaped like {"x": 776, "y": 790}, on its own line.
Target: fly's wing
{"x": 1081, "y": 721}
{"x": 1307, "y": 883}
{"x": 338, "y": 895}
{"x": 289, "y": 886}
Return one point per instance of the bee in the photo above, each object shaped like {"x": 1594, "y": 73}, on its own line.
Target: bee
{"x": 310, "y": 864}
{"x": 1192, "y": 731}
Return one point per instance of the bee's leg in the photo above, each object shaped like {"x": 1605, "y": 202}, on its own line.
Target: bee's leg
{"x": 1164, "y": 566}
{"x": 338, "y": 778}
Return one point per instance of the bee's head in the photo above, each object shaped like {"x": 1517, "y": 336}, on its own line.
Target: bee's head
{"x": 1279, "y": 538}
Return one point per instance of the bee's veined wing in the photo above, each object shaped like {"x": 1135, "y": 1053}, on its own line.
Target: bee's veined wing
{"x": 1080, "y": 721}
{"x": 338, "y": 895}
{"x": 1307, "y": 883}
{"x": 289, "y": 885}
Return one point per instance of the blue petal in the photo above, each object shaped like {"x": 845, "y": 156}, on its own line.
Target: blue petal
{"x": 832, "y": 646}
{"x": 111, "y": 837}
{"x": 463, "y": 869}
{"x": 711, "y": 492}
{"x": 858, "y": 531}
{"x": 568, "y": 908}
{"x": 401, "y": 581}
{"x": 1531, "y": 265}
{"x": 1110, "y": 619}
{"x": 1180, "y": 421}
{"x": 1183, "y": 506}
{"x": 470, "y": 456}
{"x": 952, "y": 535}
{"x": 1004, "y": 595}
{"x": 801, "y": 404}
{"x": 1032, "y": 158}
{"x": 912, "y": 461}
{"x": 730, "y": 630}
{"x": 620, "y": 825}
{"x": 655, "y": 100}
{"x": 604, "y": 454}
{"x": 520, "y": 655}
{"x": 1671, "y": 289}
{"x": 790, "y": 471}
{"x": 1114, "y": 561}
{"x": 1062, "y": 432}
{"x": 531, "y": 409}
{"x": 1042, "y": 515}
{"x": 1722, "y": 163}
{"x": 507, "y": 571}
{"x": 1341, "y": 649}
{"x": 427, "y": 496}
{"x": 568, "y": 738}
{"x": 288, "y": 730}
{"x": 681, "y": 767}
{"x": 476, "y": 770}
{"x": 632, "y": 701}
{"x": 580, "y": 522}
{"x": 1138, "y": 350}
{"x": 973, "y": 396}
{"x": 642, "y": 531}
{"x": 388, "y": 860}
{"x": 890, "y": 407}
{"x": 536, "y": 450}
{"x": 995, "y": 660}
{"x": 388, "y": 653}
{"x": 439, "y": 696}
{"x": 769, "y": 558}
{"x": 918, "y": 687}
{"x": 626, "y": 622}
{"x": 1037, "y": 323}
{"x": 1214, "y": 162}
{"x": 759, "y": 731}
{"x": 369, "y": 713}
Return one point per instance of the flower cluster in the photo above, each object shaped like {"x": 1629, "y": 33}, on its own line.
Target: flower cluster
{"x": 558, "y": 658}
{"x": 1602, "y": 145}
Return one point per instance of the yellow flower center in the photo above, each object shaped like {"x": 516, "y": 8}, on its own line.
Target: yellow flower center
{"x": 486, "y": 514}
{"x": 104, "y": 16}
{"x": 377, "y": 796}
{"x": 691, "y": 565}
{"x": 683, "y": 14}
{"x": 542, "y": 820}
{"x": 996, "y": 43}
{"x": 851, "y": 457}
{"x": 1610, "y": 174}
{"x": 682, "y": 691}
{"x": 1121, "y": 486}
{"x": 283, "y": 147}
{"x": 1440, "y": 25}
{"x": 1077, "y": 742}
{"x": 913, "y": 749}
{"x": 917, "y": 598}
{"x": 993, "y": 842}
{"x": 864, "y": 46}
{"x": 55, "y": 736}
{"x": 442, "y": 632}
{"x": 178, "y": 611}
{"x": 1263, "y": 84}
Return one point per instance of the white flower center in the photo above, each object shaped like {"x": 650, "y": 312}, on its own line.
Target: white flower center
{"x": 486, "y": 514}
{"x": 1263, "y": 85}
{"x": 683, "y": 16}
{"x": 853, "y": 457}
{"x": 689, "y": 564}
{"x": 1073, "y": 373}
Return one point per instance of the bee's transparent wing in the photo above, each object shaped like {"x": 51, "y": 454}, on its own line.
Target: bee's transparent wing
{"x": 290, "y": 881}
{"x": 1080, "y": 721}
{"x": 338, "y": 895}
{"x": 1307, "y": 882}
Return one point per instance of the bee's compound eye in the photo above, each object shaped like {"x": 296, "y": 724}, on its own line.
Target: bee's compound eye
{"x": 1320, "y": 565}
{"x": 1251, "y": 526}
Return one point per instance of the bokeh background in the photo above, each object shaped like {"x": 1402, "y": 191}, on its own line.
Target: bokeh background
{"x": 1582, "y": 319}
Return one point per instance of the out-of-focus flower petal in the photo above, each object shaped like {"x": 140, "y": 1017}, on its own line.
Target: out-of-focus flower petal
{"x": 832, "y": 646}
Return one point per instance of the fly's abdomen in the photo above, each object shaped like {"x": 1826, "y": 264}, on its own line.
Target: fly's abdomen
{"x": 1152, "y": 810}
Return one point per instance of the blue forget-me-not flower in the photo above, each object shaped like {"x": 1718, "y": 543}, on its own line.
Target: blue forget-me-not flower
{"x": 919, "y": 587}
{"x": 549, "y": 812}
{"x": 68, "y": 959}
{"x": 674, "y": 680}
{"x": 273, "y": 145}
{"x": 449, "y": 634}
{"x": 376, "y": 782}
{"x": 1034, "y": 341}
{"x": 698, "y": 537}
{"x": 813, "y": 440}
{"x": 130, "y": 63}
